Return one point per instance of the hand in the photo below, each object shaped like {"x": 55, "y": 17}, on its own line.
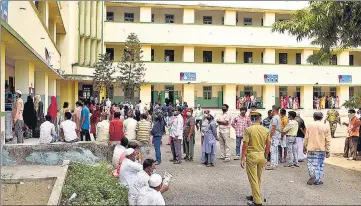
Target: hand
{"x": 304, "y": 150}
{"x": 188, "y": 139}
{"x": 242, "y": 163}
{"x": 164, "y": 188}
{"x": 265, "y": 162}
{"x": 328, "y": 154}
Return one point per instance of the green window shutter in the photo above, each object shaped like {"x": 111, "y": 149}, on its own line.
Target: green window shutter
{"x": 220, "y": 99}
{"x": 241, "y": 94}
{"x": 175, "y": 97}
{"x": 162, "y": 96}
{"x": 155, "y": 96}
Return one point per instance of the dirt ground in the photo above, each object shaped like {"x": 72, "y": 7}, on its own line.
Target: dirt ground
{"x": 28, "y": 192}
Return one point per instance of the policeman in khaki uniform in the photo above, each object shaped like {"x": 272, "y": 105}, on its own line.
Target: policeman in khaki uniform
{"x": 256, "y": 147}
{"x": 333, "y": 118}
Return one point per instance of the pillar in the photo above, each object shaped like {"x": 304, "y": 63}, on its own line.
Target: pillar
{"x": 42, "y": 87}
{"x": 305, "y": 54}
{"x": 343, "y": 58}
{"x": 147, "y": 53}
{"x": 52, "y": 29}
{"x": 229, "y": 96}
{"x": 146, "y": 93}
{"x": 269, "y": 56}
{"x": 145, "y": 14}
{"x": 269, "y": 18}
{"x": 188, "y": 94}
{"x": 58, "y": 93}
{"x": 44, "y": 12}
{"x": 230, "y": 17}
{"x": 188, "y": 54}
{"x": 52, "y": 89}
{"x": 2, "y": 93}
{"x": 306, "y": 97}
{"x": 188, "y": 16}
{"x": 24, "y": 77}
{"x": 230, "y": 55}
{"x": 269, "y": 96}
{"x": 343, "y": 93}
{"x": 76, "y": 94}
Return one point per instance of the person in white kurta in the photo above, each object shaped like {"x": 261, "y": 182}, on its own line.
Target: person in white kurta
{"x": 129, "y": 169}
{"x": 151, "y": 195}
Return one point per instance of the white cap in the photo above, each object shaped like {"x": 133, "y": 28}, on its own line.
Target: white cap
{"x": 18, "y": 91}
{"x": 129, "y": 151}
{"x": 155, "y": 180}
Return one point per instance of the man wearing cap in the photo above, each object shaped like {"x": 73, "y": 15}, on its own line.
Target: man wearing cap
{"x": 151, "y": 195}
{"x": 256, "y": 146}
{"x": 18, "y": 117}
{"x": 129, "y": 168}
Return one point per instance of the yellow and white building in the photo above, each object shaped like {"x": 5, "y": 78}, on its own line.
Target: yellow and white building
{"x": 52, "y": 46}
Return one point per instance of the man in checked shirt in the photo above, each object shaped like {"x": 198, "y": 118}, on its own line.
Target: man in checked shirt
{"x": 240, "y": 123}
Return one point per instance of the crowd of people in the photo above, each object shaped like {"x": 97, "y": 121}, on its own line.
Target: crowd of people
{"x": 326, "y": 102}
{"x": 288, "y": 102}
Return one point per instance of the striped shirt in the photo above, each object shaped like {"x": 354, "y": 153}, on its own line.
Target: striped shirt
{"x": 143, "y": 129}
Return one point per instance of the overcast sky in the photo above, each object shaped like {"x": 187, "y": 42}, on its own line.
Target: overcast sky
{"x": 284, "y": 5}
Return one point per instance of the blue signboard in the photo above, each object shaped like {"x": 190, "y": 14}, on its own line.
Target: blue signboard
{"x": 4, "y": 10}
{"x": 187, "y": 76}
{"x": 345, "y": 78}
{"x": 271, "y": 78}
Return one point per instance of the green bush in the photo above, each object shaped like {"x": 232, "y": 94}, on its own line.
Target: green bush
{"x": 93, "y": 185}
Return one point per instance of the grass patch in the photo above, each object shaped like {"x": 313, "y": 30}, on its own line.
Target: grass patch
{"x": 93, "y": 185}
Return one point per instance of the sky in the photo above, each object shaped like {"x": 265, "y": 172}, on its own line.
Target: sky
{"x": 283, "y": 5}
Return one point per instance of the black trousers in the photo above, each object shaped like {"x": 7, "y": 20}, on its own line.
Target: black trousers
{"x": 85, "y": 133}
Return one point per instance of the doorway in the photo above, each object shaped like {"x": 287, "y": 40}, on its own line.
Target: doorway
{"x": 169, "y": 94}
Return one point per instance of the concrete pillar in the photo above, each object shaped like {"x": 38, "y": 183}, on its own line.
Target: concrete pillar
{"x": 188, "y": 54}
{"x": 230, "y": 55}
{"x": 24, "y": 77}
{"x": 343, "y": 58}
{"x": 230, "y": 17}
{"x": 188, "y": 94}
{"x": 269, "y": 96}
{"x": 145, "y": 14}
{"x": 269, "y": 18}
{"x": 58, "y": 93}
{"x": 44, "y": 12}
{"x": 147, "y": 53}
{"x": 306, "y": 97}
{"x": 52, "y": 29}
{"x": 269, "y": 56}
{"x": 52, "y": 89}
{"x": 343, "y": 93}
{"x": 229, "y": 96}
{"x": 42, "y": 87}
{"x": 76, "y": 94}
{"x": 188, "y": 16}
{"x": 2, "y": 93}
{"x": 146, "y": 93}
{"x": 305, "y": 54}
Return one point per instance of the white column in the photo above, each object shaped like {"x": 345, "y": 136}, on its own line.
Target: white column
{"x": 269, "y": 18}
{"x": 343, "y": 58}
{"x": 305, "y": 54}
{"x": 188, "y": 16}
{"x": 24, "y": 77}
{"x": 52, "y": 30}
{"x": 343, "y": 93}
{"x": 147, "y": 53}
{"x": 306, "y": 97}
{"x": 42, "y": 86}
{"x": 230, "y": 55}
{"x": 269, "y": 96}
{"x": 269, "y": 56}
{"x": 188, "y": 54}
{"x": 188, "y": 94}
{"x": 229, "y": 96}
{"x": 146, "y": 93}
{"x": 145, "y": 14}
{"x": 230, "y": 17}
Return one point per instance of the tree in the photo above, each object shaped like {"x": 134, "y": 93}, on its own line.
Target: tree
{"x": 332, "y": 25}
{"x": 103, "y": 74}
{"x": 131, "y": 68}
{"x": 354, "y": 102}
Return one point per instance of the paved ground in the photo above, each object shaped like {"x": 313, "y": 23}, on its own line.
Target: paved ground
{"x": 227, "y": 183}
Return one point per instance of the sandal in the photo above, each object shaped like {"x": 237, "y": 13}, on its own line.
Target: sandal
{"x": 270, "y": 167}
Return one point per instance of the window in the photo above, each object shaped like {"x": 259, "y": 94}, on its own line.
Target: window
{"x": 152, "y": 17}
{"x": 261, "y": 57}
{"x": 128, "y": 55}
{"x": 169, "y": 18}
{"x": 110, "y": 16}
{"x": 333, "y": 91}
{"x": 283, "y": 91}
{"x": 222, "y": 20}
{"x": 351, "y": 91}
{"x": 247, "y": 57}
{"x": 207, "y": 56}
{"x": 350, "y": 60}
{"x": 128, "y": 17}
{"x": 262, "y": 22}
{"x": 247, "y": 21}
{"x": 207, "y": 19}
{"x": 169, "y": 55}
{"x": 207, "y": 92}
{"x": 222, "y": 60}
{"x": 152, "y": 55}
{"x": 110, "y": 51}
{"x": 282, "y": 58}
{"x": 333, "y": 60}
{"x": 129, "y": 92}
{"x": 298, "y": 58}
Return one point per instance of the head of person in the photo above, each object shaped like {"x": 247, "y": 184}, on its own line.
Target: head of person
{"x": 317, "y": 116}
{"x": 48, "y": 117}
{"x": 243, "y": 111}
{"x": 104, "y": 116}
{"x": 292, "y": 115}
{"x": 67, "y": 115}
{"x": 30, "y": 99}
{"x": 130, "y": 153}
{"x": 198, "y": 106}
{"x": 6, "y": 87}
{"x": 179, "y": 110}
{"x": 185, "y": 104}
{"x": 102, "y": 98}
{"x": 255, "y": 117}
{"x": 144, "y": 116}
{"x": 18, "y": 93}
{"x": 140, "y": 101}
{"x": 351, "y": 114}
{"x": 190, "y": 112}
{"x": 283, "y": 112}
{"x": 253, "y": 108}
{"x": 132, "y": 145}
{"x": 117, "y": 115}
{"x": 269, "y": 113}
{"x": 124, "y": 142}
{"x": 155, "y": 182}
{"x": 275, "y": 110}
{"x": 130, "y": 113}
{"x": 225, "y": 108}
{"x": 149, "y": 166}
{"x": 209, "y": 116}
{"x": 66, "y": 105}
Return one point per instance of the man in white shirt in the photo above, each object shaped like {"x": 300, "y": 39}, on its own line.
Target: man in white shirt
{"x": 129, "y": 169}
{"x": 129, "y": 126}
{"x": 151, "y": 195}
{"x": 102, "y": 130}
{"x": 47, "y": 131}
{"x": 68, "y": 128}
{"x": 176, "y": 132}
{"x": 108, "y": 103}
{"x": 141, "y": 107}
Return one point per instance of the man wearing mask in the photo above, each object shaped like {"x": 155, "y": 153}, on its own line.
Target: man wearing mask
{"x": 240, "y": 123}
{"x": 353, "y": 135}
{"x": 189, "y": 133}
{"x": 267, "y": 121}
{"x": 18, "y": 117}
{"x": 224, "y": 121}
{"x": 176, "y": 132}
{"x": 275, "y": 134}
{"x": 199, "y": 116}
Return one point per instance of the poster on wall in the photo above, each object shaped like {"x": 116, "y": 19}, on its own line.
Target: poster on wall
{"x": 271, "y": 78}
{"x": 187, "y": 76}
{"x": 345, "y": 78}
{"x": 4, "y": 10}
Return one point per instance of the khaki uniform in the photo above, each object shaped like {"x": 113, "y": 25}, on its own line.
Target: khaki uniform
{"x": 256, "y": 136}
{"x": 333, "y": 118}
{"x": 224, "y": 135}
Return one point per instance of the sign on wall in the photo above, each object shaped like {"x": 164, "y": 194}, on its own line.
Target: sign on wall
{"x": 187, "y": 76}
{"x": 4, "y": 10}
{"x": 345, "y": 78}
{"x": 270, "y": 78}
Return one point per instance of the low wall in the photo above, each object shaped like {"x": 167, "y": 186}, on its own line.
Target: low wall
{"x": 54, "y": 154}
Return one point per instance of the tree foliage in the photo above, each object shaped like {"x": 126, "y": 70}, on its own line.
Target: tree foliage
{"x": 332, "y": 25}
{"x": 354, "y": 102}
{"x": 131, "y": 68}
{"x": 103, "y": 74}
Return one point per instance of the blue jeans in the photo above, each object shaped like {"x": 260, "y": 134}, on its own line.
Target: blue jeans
{"x": 238, "y": 146}
{"x": 157, "y": 142}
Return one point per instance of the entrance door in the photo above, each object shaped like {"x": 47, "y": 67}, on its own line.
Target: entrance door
{"x": 169, "y": 94}
{"x": 87, "y": 91}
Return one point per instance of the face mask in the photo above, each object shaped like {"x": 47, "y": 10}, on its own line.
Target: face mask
{"x": 224, "y": 110}
{"x": 188, "y": 114}
{"x": 350, "y": 116}
{"x": 243, "y": 112}
{"x": 175, "y": 113}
